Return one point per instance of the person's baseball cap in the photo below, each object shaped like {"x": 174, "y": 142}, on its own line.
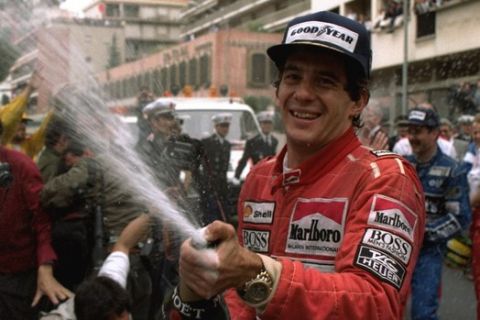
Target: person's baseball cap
{"x": 423, "y": 117}
{"x": 159, "y": 107}
{"x": 327, "y": 30}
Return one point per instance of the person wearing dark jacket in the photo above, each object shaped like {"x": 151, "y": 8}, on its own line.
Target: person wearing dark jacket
{"x": 217, "y": 152}
{"x": 56, "y": 141}
{"x": 260, "y": 146}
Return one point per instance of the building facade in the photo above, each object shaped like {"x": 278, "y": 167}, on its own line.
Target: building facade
{"x": 65, "y": 49}
{"x": 149, "y": 24}
{"x": 229, "y": 62}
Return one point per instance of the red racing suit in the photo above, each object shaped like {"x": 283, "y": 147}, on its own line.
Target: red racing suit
{"x": 347, "y": 226}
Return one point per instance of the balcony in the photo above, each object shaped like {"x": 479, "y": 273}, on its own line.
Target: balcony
{"x": 223, "y": 14}
{"x": 277, "y": 20}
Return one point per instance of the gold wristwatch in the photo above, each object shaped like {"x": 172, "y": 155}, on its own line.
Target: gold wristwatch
{"x": 258, "y": 289}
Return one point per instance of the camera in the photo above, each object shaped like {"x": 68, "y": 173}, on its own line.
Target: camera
{"x": 181, "y": 154}
{"x": 6, "y": 177}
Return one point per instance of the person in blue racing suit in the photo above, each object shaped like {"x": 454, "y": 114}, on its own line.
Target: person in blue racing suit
{"x": 446, "y": 204}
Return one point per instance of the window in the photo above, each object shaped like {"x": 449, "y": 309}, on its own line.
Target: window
{"x": 157, "y": 83}
{"x": 147, "y": 80}
{"x": 124, "y": 88}
{"x": 138, "y": 83}
{"x": 182, "y": 74}
{"x": 112, "y": 10}
{"x": 132, "y": 87}
{"x": 192, "y": 72}
{"x": 173, "y": 75}
{"x": 205, "y": 70}
{"x": 118, "y": 89}
{"x": 259, "y": 68}
{"x": 262, "y": 71}
{"x": 426, "y": 24}
{"x": 164, "y": 78}
{"x": 132, "y": 11}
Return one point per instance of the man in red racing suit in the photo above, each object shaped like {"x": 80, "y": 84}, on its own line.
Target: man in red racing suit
{"x": 328, "y": 229}
{"x": 346, "y": 226}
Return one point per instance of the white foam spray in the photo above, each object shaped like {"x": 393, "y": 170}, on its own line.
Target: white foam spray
{"x": 89, "y": 114}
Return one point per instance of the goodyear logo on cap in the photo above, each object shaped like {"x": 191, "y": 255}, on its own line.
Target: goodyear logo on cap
{"x": 324, "y": 32}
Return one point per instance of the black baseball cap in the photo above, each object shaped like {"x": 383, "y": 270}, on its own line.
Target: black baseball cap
{"x": 423, "y": 117}
{"x": 327, "y": 30}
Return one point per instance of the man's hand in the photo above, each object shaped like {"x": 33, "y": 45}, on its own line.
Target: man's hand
{"x": 236, "y": 182}
{"x": 207, "y": 272}
{"x": 379, "y": 141}
{"x": 48, "y": 285}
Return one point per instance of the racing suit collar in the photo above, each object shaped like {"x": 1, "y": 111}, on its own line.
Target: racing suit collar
{"x": 319, "y": 164}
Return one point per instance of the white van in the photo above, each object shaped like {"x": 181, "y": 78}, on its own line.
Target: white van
{"x": 197, "y": 122}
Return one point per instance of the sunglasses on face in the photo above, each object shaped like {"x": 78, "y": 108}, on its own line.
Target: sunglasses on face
{"x": 224, "y": 125}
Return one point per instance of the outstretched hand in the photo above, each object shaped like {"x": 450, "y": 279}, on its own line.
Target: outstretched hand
{"x": 49, "y": 286}
{"x": 207, "y": 272}
{"x": 380, "y": 141}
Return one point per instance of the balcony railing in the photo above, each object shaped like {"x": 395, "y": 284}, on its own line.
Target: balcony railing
{"x": 224, "y": 13}
{"x": 278, "y": 16}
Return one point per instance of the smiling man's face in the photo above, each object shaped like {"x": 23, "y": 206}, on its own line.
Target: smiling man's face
{"x": 315, "y": 106}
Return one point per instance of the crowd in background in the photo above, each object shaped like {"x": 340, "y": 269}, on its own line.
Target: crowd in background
{"x": 89, "y": 206}
{"x": 390, "y": 16}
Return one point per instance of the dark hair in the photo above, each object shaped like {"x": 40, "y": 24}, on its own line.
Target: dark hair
{"x": 76, "y": 148}
{"x": 55, "y": 129}
{"x": 357, "y": 83}
{"x": 100, "y": 298}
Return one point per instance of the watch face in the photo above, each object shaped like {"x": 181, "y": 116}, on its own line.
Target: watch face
{"x": 258, "y": 291}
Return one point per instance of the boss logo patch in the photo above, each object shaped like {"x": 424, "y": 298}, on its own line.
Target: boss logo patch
{"x": 389, "y": 242}
{"x": 392, "y": 215}
{"x": 256, "y": 240}
{"x": 258, "y": 212}
{"x": 381, "y": 265}
{"x": 317, "y": 226}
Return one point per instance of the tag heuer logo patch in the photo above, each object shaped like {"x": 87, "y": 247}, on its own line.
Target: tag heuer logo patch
{"x": 381, "y": 265}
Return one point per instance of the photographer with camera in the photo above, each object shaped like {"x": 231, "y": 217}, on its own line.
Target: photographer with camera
{"x": 26, "y": 255}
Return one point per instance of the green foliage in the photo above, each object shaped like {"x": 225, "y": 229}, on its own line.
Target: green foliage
{"x": 8, "y": 55}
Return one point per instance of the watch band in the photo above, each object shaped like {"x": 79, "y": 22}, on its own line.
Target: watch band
{"x": 175, "y": 308}
{"x": 258, "y": 289}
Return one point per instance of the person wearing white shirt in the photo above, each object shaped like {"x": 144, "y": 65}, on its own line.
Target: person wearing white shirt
{"x": 105, "y": 296}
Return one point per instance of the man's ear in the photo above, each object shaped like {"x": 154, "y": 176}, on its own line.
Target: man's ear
{"x": 361, "y": 103}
